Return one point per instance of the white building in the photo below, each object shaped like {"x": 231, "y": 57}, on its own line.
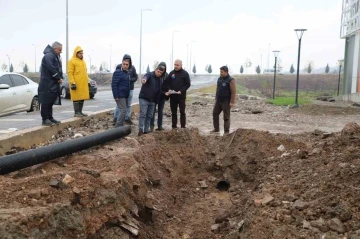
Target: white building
{"x": 350, "y": 30}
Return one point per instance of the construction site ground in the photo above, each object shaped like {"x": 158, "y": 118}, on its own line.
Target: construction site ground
{"x": 280, "y": 173}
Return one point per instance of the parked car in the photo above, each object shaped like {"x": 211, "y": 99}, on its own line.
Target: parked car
{"x": 65, "y": 90}
{"x": 17, "y": 93}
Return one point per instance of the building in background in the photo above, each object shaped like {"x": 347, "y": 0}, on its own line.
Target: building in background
{"x": 350, "y": 31}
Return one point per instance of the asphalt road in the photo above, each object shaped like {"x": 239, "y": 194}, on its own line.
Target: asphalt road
{"x": 102, "y": 100}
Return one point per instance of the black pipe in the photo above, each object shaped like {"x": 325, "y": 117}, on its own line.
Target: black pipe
{"x": 17, "y": 161}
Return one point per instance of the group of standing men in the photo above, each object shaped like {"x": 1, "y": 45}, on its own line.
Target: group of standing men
{"x": 157, "y": 87}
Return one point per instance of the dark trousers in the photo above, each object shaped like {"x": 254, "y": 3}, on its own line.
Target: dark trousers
{"x": 218, "y": 108}
{"x": 160, "y": 107}
{"x": 46, "y": 111}
{"x": 176, "y": 102}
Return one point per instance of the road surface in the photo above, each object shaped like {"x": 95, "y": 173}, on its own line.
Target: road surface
{"x": 103, "y": 100}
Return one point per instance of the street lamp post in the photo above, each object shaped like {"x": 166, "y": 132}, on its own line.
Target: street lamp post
{"x": 172, "y": 47}
{"x": 299, "y": 33}
{"x": 141, "y": 38}
{"x": 110, "y": 59}
{"x": 67, "y": 34}
{"x": 190, "y": 69}
{"x": 276, "y": 54}
{"x": 340, "y": 64}
{"x": 35, "y": 57}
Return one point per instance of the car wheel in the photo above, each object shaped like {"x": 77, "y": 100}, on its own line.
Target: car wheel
{"x": 35, "y": 106}
{"x": 63, "y": 93}
{"x": 92, "y": 96}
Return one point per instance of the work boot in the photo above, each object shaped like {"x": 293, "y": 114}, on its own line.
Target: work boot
{"x": 140, "y": 132}
{"x": 129, "y": 121}
{"x": 152, "y": 128}
{"x": 77, "y": 109}
{"x": 215, "y": 131}
{"x": 81, "y": 105}
{"x": 55, "y": 121}
{"x": 160, "y": 128}
{"x": 47, "y": 123}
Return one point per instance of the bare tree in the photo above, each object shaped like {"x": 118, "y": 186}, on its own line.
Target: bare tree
{"x": 156, "y": 63}
{"x": 3, "y": 67}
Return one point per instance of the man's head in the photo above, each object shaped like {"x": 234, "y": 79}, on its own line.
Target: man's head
{"x": 125, "y": 64}
{"x": 224, "y": 71}
{"x": 80, "y": 54}
{"x": 159, "y": 71}
{"x": 57, "y": 47}
{"x": 177, "y": 65}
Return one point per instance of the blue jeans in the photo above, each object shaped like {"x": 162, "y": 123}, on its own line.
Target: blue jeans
{"x": 128, "y": 107}
{"x": 160, "y": 114}
{"x": 147, "y": 109}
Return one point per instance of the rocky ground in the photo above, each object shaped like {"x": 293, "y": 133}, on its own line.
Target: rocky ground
{"x": 280, "y": 173}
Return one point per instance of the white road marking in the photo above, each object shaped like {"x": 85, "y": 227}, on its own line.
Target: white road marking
{"x": 91, "y": 106}
{"x": 16, "y": 120}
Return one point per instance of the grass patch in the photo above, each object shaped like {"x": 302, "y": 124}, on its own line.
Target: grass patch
{"x": 284, "y": 101}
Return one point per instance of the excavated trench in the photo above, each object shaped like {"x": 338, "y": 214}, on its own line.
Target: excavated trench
{"x": 180, "y": 184}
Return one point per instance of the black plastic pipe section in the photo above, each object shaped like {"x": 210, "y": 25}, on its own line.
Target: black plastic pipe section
{"x": 17, "y": 161}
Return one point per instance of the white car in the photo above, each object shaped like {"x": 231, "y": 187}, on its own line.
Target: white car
{"x": 17, "y": 93}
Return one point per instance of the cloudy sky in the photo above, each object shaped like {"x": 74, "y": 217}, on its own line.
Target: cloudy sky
{"x": 215, "y": 32}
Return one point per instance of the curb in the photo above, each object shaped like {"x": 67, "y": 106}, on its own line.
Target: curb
{"x": 26, "y": 138}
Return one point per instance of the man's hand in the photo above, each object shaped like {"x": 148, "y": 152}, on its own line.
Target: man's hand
{"x": 231, "y": 105}
{"x": 179, "y": 92}
{"x": 73, "y": 86}
{"x": 167, "y": 93}
{"x": 143, "y": 81}
{"x": 60, "y": 81}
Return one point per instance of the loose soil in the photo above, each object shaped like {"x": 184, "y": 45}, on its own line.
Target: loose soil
{"x": 280, "y": 173}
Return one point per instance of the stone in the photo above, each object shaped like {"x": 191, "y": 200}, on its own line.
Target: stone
{"x": 336, "y": 225}
{"x": 265, "y": 200}
{"x": 203, "y": 184}
{"x": 76, "y": 190}
{"x": 35, "y": 194}
{"x": 44, "y": 192}
{"x": 298, "y": 204}
{"x": 306, "y": 224}
{"x": 215, "y": 227}
{"x": 68, "y": 179}
{"x": 233, "y": 235}
{"x": 320, "y": 224}
{"x": 281, "y": 148}
{"x": 223, "y": 216}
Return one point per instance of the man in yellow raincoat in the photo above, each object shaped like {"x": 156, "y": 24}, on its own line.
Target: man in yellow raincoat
{"x": 78, "y": 81}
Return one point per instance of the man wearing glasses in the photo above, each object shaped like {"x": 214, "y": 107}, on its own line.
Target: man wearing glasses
{"x": 149, "y": 94}
{"x": 178, "y": 82}
{"x": 120, "y": 86}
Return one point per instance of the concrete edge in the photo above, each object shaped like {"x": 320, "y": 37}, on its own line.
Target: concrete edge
{"x": 26, "y": 138}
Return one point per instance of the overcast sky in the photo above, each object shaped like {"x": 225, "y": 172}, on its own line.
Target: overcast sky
{"x": 222, "y": 31}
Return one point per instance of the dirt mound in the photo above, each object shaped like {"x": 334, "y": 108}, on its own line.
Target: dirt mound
{"x": 351, "y": 129}
{"x": 182, "y": 184}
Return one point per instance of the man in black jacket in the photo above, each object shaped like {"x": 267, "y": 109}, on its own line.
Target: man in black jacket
{"x": 178, "y": 82}
{"x": 160, "y": 102}
{"x": 51, "y": 76}
{"x": 149, "y": 93}
{"x": 133, "y": 78}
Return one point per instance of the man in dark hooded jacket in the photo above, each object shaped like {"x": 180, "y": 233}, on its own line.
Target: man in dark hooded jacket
{"x": 120, "y": 86}
{"x": 160, "y": 102}
{"x": 51, "y": 76}
{"x": 133, "y": 78}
